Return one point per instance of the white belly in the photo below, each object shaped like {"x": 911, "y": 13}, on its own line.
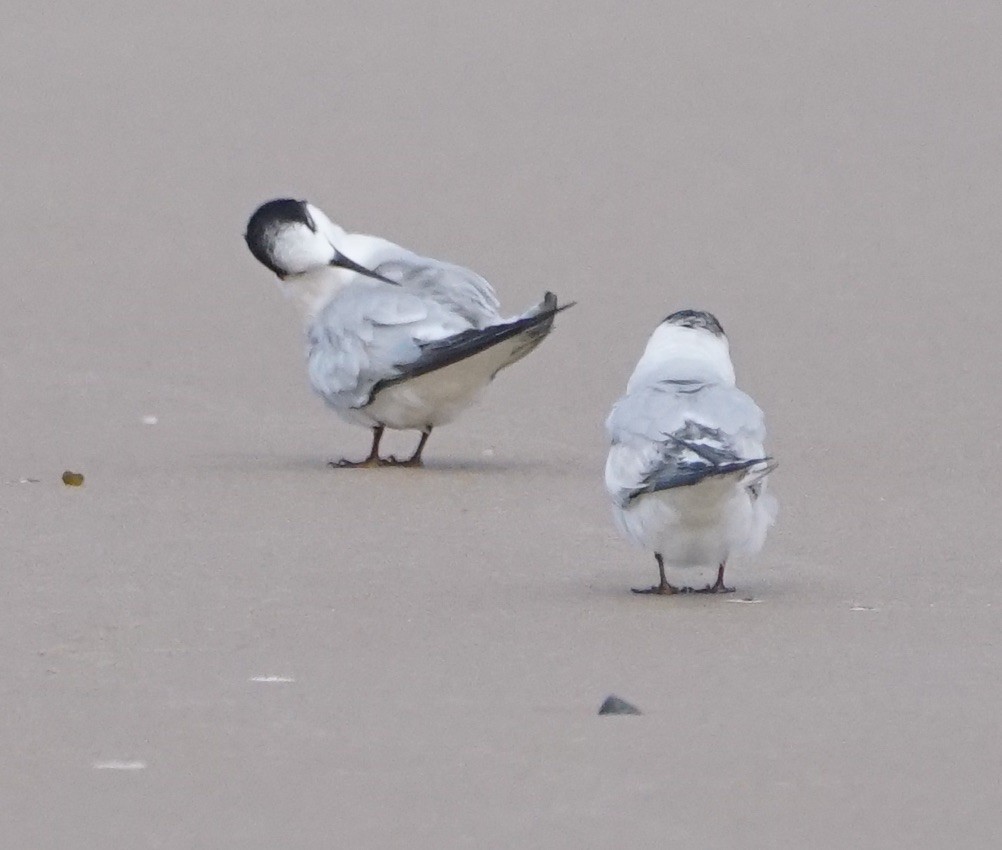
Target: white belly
{"x": 423, "y": 402}
{"x": 698, "y": 526}
{"x": 434, "y": 398}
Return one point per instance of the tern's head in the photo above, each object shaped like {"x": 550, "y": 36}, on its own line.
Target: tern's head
{"x": 295, "y": 238}
{"x": 688, "y": 344}
{"x": 697, "y": 320}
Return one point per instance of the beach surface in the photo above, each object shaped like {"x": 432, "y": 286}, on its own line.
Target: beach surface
{"x": 219, "y": 642}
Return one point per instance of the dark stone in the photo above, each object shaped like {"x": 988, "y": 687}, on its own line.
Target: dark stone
{"x": 614, "y": 705}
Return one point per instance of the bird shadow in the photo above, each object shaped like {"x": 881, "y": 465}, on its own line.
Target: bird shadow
{"x": 489, "y": 465}
{"x": 248, "y": 462}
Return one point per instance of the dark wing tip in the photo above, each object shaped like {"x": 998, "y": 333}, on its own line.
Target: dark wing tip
{"x": 549, "y": 304}
{"x": 444, "y": 352}
{"x": 690, "y": 474}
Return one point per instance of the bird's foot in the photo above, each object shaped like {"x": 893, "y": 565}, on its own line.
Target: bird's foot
{"x": 663, "y": 589}
{"x": 412, "y": 462}
{"x": 373, "y": 462}
{"x": 719, "y": 587}
{"x": 368, "y": 463}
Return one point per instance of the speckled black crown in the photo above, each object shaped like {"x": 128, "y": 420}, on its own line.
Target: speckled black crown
{"x": 265, "y": 223}
{"x": 696, "y": 319}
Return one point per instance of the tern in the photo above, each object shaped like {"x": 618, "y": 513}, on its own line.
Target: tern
{"x": 686, "y": 471}
{"x": 395, "y": 340}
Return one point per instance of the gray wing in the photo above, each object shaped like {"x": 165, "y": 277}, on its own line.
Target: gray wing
{"x": 678, "y": 433}
{"x": 482, "y": 352}
{"x": 455, "y": 288}
{"x": 372, "y": 333}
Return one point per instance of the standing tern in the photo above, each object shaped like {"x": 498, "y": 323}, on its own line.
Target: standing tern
{"x": 396, "y": 340}
{"x": 687, "y": 468}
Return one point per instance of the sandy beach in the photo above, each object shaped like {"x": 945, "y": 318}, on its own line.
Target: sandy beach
{"x": 219, "y": 642}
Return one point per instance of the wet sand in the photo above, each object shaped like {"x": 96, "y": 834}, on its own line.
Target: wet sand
{"x": 827, "y": 181}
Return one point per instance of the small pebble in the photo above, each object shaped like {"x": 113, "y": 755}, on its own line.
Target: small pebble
{"x": 73, "y": 479}
{"x": 615, "y": 705}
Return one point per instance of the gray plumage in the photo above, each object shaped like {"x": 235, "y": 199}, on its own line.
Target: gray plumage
{"x": 396, "y": 340}
{"x": 459, "y": 290}
{"x": 686, "y": 466}
{"x": 371, "y": 337}
{"x": 675, "y": 433}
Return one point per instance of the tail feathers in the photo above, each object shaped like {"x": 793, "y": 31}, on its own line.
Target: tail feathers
{"x": 768, "y": 464}
{"x": 536, "y": 333}
{"x": 754, "y": 480}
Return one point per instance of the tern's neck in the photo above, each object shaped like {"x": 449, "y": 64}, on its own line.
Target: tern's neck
{"x": 313, "y": 291}
{"x": 685, "y": 354}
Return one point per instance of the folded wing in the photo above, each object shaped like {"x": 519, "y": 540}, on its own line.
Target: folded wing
{"x": 474, "y": 356}
{"x": 678, "y": 433}
{"x": 371, "y": 337}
